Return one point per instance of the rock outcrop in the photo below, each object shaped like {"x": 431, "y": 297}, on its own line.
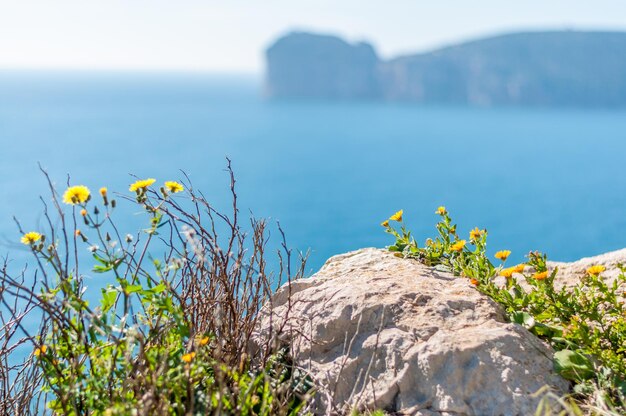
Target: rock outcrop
{"x": 316, "y": 66}
{"x": 561, "y": 68}
{"x": 382, "y": 332}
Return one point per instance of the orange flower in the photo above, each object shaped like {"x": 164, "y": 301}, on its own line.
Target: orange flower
{"x": 458, "y": 246}
{"x": 540, "y": 276}
{"x": 204, "y": 341}
{"x": 397, "y": 216}
{"x": 508, "y": 272}
{"x": 474, "y": 282}
{"x": 596, "y": 270}
{"x": 503, "y": 254}
{"x": 385, "y": 223}
{"x": 475, "y": 234}
{"x": 83, "y": 212}
{"x": 40, "y": 350}
{"x": 188, "y": 357}
{"x": 519, "y": 268}
{"x": 103, "y": 191}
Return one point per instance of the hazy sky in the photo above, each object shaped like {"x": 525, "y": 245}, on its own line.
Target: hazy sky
{"x": 231, "y": 34}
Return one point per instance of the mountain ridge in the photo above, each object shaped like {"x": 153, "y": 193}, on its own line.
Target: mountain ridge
{"x": 552, "y": 68}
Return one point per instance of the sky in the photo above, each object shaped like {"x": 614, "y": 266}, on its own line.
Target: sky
{"x": 231, "y": 35}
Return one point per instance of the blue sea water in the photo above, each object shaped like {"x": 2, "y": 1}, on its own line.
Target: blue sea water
{"x": 330, "y": 172}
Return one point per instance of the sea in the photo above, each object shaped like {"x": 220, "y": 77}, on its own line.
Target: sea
{"x": 548, "y": 179}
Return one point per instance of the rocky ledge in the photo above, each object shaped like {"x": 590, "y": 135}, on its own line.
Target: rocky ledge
{"x": 381, "y": 332}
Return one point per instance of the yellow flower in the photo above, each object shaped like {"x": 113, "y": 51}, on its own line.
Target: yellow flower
{"x": 141, "y": 184}
{"x": 458, "y": 246}
{"x": 103, "y": 191}
{"x": 174, "y": 187}
{"x": 76, "y": 195}
{"x": 40, "y": 350}
{"x": 30, "y": 238}
{"x": 503, "y": 255}
{"x": 204, "y": 341}
{"x": 429, "y": 242}
{"x": 475, "y": 234}
{"x": 188, "y": 357}
{"x": 385, "y": 223}
{"x": 397, "y": 216}
{"x": 519, "y": 268}
{"x": 596, "y": 270}
{"x": 441, "y": 211}
{"x": 508, "y": 272}
{"x": 540, "y": 276}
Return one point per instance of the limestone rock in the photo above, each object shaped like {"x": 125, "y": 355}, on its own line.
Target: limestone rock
{"x": 382, "y": 332}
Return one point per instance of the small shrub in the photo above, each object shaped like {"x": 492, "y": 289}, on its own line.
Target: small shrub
{"x": 585, "y": 324}
{"x": 170, "y": 335}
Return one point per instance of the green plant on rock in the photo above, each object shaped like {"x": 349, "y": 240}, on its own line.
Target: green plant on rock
{"x": 585, "y": 323}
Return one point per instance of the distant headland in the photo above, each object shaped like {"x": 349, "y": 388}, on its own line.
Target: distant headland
{"x": 559, "y": 68}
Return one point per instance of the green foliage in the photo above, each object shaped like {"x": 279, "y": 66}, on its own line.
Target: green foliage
{"x": 171, "y": 335}
{"x": 585, "y": 323}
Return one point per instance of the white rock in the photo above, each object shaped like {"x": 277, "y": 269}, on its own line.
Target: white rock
{"x": 382, "y": 332}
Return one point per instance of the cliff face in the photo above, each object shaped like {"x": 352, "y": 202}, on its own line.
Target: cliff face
{"x": 543, "y": 68}
{"x": 314, "y": 66}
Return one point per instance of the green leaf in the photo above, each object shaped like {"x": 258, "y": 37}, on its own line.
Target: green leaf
{"x": 101, "y": 269}
{"x": 109, "y": 296}
{"x": 523, "y": 318}
{"x": 573, "y": 365}
{"x": 132, "y": 288}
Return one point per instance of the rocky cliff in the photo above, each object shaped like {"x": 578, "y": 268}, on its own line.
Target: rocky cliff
{"x": 315, "y": 66}
{"x": 539, "y": 68}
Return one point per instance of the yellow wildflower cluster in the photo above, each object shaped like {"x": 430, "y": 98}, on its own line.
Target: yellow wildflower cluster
{"x": 540, "y": 275}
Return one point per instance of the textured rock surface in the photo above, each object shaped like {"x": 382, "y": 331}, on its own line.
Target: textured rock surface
{"x": 388, "y": 333}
